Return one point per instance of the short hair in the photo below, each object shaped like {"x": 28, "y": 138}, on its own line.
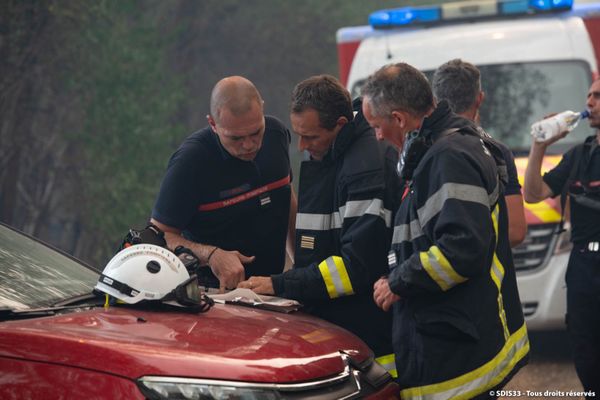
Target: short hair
{"x": 235, "y": 93}
{"x": 326, "y": 95}
{"x": 459, "y": 83}
{"x": 398, "y": 87}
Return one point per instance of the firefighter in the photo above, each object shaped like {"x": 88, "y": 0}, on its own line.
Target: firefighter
{"x": 348, "y": 188}
{"x": 226, "y": 194}
{"x": 578, "y": 174}
{"x": 458, "y": 325}
{"x": 459, "y": 83}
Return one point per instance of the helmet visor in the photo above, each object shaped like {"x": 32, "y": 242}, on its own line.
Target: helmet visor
{"x": 187, "y": 293}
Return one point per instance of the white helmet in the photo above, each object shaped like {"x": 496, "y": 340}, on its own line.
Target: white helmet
{"x": 147, "y": 272}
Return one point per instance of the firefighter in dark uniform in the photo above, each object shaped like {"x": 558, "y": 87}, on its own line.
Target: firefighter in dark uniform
{"x": 226, "y": 194}
{"x": 348, "y": 189}
{"x": 578, "y": 174}
{"x": 458, "y": 326}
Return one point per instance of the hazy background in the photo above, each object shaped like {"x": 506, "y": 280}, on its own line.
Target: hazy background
{"x": 95, "y": 96}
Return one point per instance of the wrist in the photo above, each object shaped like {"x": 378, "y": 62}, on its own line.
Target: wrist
{"x": 210, "y": 254}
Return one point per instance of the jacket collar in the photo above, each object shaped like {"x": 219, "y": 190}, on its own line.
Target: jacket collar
{"x": 349, "y": 133}
{"x": 441, "y": 120}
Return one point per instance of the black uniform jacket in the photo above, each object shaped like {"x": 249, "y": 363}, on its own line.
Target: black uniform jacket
{"x": 343, "y": 233}
{"x": 458, "y": 328}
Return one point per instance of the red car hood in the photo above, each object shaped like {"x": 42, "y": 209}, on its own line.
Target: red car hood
{"x": 228, "y": 342}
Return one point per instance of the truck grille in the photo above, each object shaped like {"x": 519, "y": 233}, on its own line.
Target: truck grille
{"x": 537, "y": 247}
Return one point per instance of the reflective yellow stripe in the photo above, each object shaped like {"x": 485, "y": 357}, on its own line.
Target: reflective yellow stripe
{"x": 336, "y": 277}
{"x": 388, "y": 362}
{"x": 479, "y": 380}
{"x": 497, "y": 273}
{"x": 439, "y": 269}
{"x": 495, "y": 221}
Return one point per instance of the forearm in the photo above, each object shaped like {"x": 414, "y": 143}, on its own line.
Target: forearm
{"x": 517, "y": 226}
{"x": 174, "y": 238}
{"x": 202, "y": 251}
{"x": 534, "y": 188}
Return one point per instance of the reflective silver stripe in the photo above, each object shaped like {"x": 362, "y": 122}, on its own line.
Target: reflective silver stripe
{"x": 439, "y": 268}
{"x": 458, "y": 191}
{"x": 318, "y": 222}
{"x": 439, "y": 271}
{"x": 480, "y": 380}
{"x": 336, "y": 277}
{"x": 352, "y": 209}
{"x": 357, "y": 208}
{"x": 434, "y": 204}
{"x": 388, "y": 362}
{"x": 406, "y": 233}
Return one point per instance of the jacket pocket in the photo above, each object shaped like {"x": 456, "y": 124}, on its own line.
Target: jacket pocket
{"x": 445, "y": 325}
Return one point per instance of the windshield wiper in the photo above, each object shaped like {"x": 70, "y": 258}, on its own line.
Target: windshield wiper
{"x": 19, "y": 313}
{"x": 7, "y": 313}
{"x": 81, "y": 298}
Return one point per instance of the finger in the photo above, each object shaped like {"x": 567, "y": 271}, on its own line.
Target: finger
{"x": 221, "y": 287}
{"x": 244, "y": 285}
{"x": 246, "y": 259}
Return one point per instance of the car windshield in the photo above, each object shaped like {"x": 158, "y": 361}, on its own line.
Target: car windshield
{"x": 34, "y": 275}
{"x": 519, "y": 94}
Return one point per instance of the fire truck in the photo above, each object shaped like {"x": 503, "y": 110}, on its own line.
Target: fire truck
{"x": 535, "y": 57}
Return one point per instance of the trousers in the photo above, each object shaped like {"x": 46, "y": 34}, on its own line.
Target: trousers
{"x": 583, "y": 314}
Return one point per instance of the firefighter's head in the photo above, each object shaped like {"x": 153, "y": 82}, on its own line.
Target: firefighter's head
{"x": 459, "y": 83}
{"x": 396, "y": 98}
{"x": 593, "y": 105}
{"x": 236, "y": 116}
{"x": 320, "y": 107}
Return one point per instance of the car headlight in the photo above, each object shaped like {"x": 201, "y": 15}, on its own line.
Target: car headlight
{"x": 160, "y": 388}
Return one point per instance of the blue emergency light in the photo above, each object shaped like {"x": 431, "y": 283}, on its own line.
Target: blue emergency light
{"x": 407, "y": 16}
{"x": 551, "y": 5}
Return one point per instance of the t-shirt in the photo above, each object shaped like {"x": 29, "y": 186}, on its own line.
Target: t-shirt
{"x": 585, "y": 221}
{"x": 217, "y": 199}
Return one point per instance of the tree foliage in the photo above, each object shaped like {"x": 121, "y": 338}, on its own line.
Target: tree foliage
{"x": 95, "y": 95}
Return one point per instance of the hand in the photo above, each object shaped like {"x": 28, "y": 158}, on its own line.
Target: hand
{"x": 258, "y": 284}
{"x": 382, "y": 294}
{"x": 553, "y": 139}
{"x": 228, "y": 267}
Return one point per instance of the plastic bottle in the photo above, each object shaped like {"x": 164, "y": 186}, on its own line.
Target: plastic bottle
{"x": 546, "y": 129}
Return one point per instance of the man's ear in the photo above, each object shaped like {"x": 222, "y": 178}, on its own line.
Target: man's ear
{"x": 400, "y": 117}
{"x": 212, "y": 123}
{"x": 480, "y": 98}
{"x": 341, "y": 121}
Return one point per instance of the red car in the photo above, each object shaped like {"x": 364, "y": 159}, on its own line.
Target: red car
{"x": 58, "y": 341}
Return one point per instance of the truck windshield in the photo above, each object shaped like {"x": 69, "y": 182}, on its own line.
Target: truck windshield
{"x": 519, "y": 94}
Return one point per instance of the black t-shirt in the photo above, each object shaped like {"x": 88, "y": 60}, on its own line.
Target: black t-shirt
{"x": 512, "y": 186}
{"x": 217, "y": 199}
{"x": 585, "y": 221}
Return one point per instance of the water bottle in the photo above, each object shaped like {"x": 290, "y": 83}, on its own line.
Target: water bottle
{"x": 547, "y": 128}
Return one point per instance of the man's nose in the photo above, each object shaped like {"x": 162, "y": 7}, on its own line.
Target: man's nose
{"x": 591, "y": 103}
{"x": 302, "y": 144}
{"x": 249, "y": 143}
